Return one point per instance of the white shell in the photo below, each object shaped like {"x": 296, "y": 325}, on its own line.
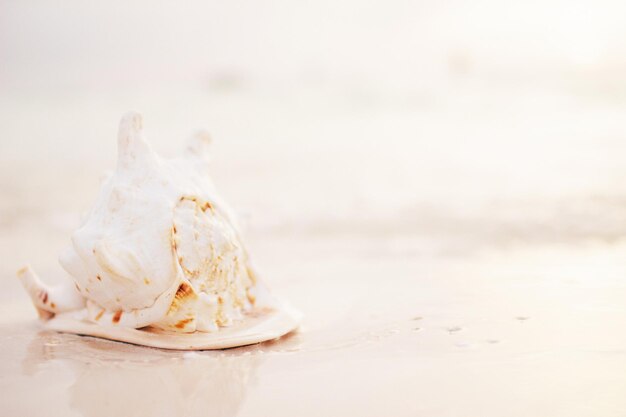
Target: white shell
{"x": 160, "y": 249}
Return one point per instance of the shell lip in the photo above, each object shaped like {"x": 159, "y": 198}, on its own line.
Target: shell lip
{"x": 259, "y": 325}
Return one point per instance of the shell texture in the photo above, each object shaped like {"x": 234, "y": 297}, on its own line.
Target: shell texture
{"x": 159, "y": 249}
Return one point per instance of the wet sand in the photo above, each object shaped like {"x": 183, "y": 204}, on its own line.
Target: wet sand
{"x": 519, "y": 332}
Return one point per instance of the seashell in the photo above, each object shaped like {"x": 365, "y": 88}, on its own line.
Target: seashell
{"x": 159, "y": 260}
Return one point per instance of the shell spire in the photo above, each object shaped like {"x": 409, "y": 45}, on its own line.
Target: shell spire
{"x": 131, "y": 144}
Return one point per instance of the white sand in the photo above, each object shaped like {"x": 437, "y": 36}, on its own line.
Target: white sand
{"x": 453, "y": 232}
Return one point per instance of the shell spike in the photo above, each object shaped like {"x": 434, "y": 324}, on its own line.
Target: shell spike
{"x": 49, "y": 300}
{"x": 130, "y": 142}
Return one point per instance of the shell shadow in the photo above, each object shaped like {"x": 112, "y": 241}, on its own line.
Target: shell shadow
{"x": 112, "y": 378}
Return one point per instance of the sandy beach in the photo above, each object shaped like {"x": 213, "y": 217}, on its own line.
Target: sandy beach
{"x": 437, "y": 302}
{"x": 455, "y": 234}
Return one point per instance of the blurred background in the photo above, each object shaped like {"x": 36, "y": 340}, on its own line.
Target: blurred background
{"x": 441, "y": 183}
{"x": 472, "y": 123}
{"x": 391, "y": 128}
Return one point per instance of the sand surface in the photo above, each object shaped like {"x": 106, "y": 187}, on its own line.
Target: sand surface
{"x": 443, "y": 197}
{"x": 520, "y": 331}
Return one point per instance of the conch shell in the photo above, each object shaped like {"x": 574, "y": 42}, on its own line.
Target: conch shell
{"x": 159, "y": 260}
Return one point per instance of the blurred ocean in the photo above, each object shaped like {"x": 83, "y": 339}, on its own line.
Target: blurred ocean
{"x": 461, "y": 124}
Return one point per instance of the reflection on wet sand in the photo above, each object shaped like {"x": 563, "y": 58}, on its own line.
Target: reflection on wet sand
{"x": 110, "y": 378}
{"x": 536, "y": 331}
